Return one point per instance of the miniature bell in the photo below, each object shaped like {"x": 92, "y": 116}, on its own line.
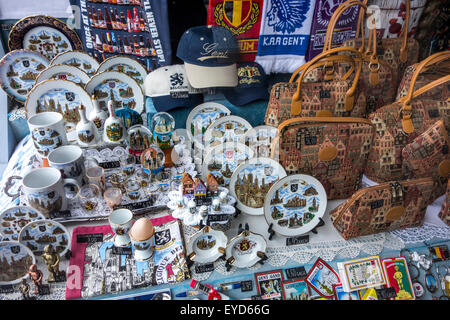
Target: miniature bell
{"x": 86, "y": 130}
{"x": 98, "y": 116}
{"x": 114, "y": 131}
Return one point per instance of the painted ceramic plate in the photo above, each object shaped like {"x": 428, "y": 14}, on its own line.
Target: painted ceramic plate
{"x": 201, "y": 117}
{"x": 61, "y": 96}
{"x": 207, "y": 245}
{"x": 78, "y": 59}
{"x": 252, "y": 180}
{"x": 244, "y": 249}
{"x": 225, "y": 129}
{"x": 44, "y": 34}
{"x": 259, "y": 139}
{"x": 123, "y": 90}
{"x": 15, "y": 261}
{"x": 37, "y": 234}
{"x": 222, "y": 160}
{"x": 127, "y": 65}
{"x": 13, "y": 219}
{"x": 294, "y": 204}
{"x": 18, "y": 72}
{"x": 63, "y": 72}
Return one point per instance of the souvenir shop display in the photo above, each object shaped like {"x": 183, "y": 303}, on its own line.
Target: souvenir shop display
{"x": 206, "y": 245}
{"x": 13, "y": 219}
{"x": 63, "y": 72}
{"x": 16, "y": 260}
{"x": 78, "y": 59}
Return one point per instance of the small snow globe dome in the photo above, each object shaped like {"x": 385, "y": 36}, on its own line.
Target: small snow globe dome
{"x": 139, "y": 138}
{"x": 162, "y": 123}
{"x": 152, "y": 159}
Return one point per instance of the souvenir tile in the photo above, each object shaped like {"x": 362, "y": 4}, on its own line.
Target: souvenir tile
{"x": 398, "y": 277}
{"x": 63, "y": 72}
{"x": 60, "y": 96}
{"x": 321, "y": 278}
{"x": 18, "y": 72}
{"x": 44, "y": 34}
{"x": 269, "y": 284}
{"x": 127, "y": 65}
{"x": 201, "y": 117}
{"x": 252, "y": 180}
{"x": 340, "y": 294}
{"x": 260, "y": 139}
{"x": 361, "y": 273}
{"x": 37, "y": 234}
{"x": 223, "y": 130}
{"x": 222, "y": 160}
{"x": 118, "y": 87}
{"x": 207, "y": 245}
{"x": 295, "y": 204}
{"x": 246, "y": 249}
{"x": 15, "y": 262}
{"x": 78, "y": 59}
{"x": 295, "y": 290}
{"x": 13, "y": 219}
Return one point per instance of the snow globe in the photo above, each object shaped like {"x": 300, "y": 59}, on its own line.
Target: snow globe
{"x": 162, "y": 126}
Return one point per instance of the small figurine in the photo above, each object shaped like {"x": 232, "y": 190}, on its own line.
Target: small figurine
{"x": 24, "y": 289}
{"x": 420, "y": 260}
{"x": 51, "y": 259}
{"x": 36, "y": 276}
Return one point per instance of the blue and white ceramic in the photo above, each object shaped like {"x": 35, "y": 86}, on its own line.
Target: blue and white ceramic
{"x": 69, "y": 160}
{"x": 78, "y": 59}
{"x": 127, "y": 65}
{"x": 15, "y": 262}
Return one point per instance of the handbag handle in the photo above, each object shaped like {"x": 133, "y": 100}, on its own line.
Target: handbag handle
{"x": 296, "y": 104}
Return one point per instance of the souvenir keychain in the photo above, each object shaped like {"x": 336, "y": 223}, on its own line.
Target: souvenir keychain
{"x": 419, "y": 289}
{"x": 444, "y": 279}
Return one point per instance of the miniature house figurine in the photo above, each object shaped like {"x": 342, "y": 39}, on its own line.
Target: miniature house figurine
{"x": 187, "y": 185}
{"x": 199, "y": 189}
{"x": 212, "y": 185}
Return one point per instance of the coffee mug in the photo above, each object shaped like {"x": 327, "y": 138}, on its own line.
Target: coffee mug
{"x": 121, "y": 221}
{"x": 70, "y": 161}
{"x": 44, "y": 190}
{"x": 48, "y": 132}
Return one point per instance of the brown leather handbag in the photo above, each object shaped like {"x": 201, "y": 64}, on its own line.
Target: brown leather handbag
{"x": 399, "y": 123}
{"x": 384, "y": 207}
{"x": 327, "y": 86}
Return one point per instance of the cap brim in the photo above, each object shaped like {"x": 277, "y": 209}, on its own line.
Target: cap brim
{"x": 208, "y": 77}
{"x": 165, "y": 103}
{"x": 242, "y": 97}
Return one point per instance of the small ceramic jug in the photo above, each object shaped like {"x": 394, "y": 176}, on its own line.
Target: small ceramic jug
{"x": 98, "y": 116}
{"x": 114, "y": 131}
{"x": 86, "y": 130}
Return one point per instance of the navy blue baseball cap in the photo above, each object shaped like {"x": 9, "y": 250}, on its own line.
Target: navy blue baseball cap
{"x": 210, "y": 54}
{"x": 252, "y": 85}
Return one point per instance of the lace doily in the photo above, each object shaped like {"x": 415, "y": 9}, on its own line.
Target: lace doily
{"x": 426, "y": 232}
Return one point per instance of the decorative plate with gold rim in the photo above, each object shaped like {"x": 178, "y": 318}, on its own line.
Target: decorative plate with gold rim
{"x": 244, "y": 250}
{"x": 78, "y": 59}
{"x": 15, "y": 259}
{"x": 207, "y": 245}
{"x": 127, "y": 65}
{"x": 63, "y": 72}
{"x": 260, "y": 139}
{"x": 60, "y": 96}
{"x": 123, "y": 90}
{"x": 18, "y": 72}
{"x": 44, "y": 34}
{"x": 13, "y": 219}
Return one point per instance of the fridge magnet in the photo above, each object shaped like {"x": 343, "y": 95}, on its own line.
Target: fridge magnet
{"x": 398, "y": 277}
{"x": 340, "y": 294}
{"x": 361, "y": 273}
{"x": 321, "y": 278}
{"x": 269, "y": 284}
{"x": 295, "y": 290}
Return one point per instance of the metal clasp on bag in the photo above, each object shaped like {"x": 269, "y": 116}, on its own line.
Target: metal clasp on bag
{"x": 397, "y": 192}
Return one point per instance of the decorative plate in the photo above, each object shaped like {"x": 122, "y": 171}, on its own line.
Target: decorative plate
{"x": 123, "y": 90}
{"x": 15, "y": 262}
{"x": 259, "y": 139}
{"x": 63, "y": 72}
{"x": 44, "y": 34}
{"x": 225, "y": 129}
{"x": 222, "y": 160}
{"x": 127, "y": 65}
{"x": 201, "y": 117}
{"x": 207, "y": 245}
{"x": 37, "y": 234}
{"x": 294, "y": 205}
{"x": 242, "y": 250}
{"x": 78, "y": 59}
{"x": 61, "y": 96}
{"x": 13, "y": 219}
{"x": 18, "y": 72}
{"x": 252, "y": 180}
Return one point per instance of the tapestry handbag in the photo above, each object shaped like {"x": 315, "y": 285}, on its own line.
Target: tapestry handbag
{"x": 398, "y": 52}
{"x": 399, "y": 123}
{"x": 377, "y": 81}
{"x": 383, "y": 207}
{"x": 327, "y": 86}
{"x": 444, "y": 214}
{"x": 332, "y": 149}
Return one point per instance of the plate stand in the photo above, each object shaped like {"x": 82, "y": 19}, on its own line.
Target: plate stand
{"x": 272, "y": 232}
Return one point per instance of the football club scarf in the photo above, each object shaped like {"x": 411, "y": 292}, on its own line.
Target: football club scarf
{"x": 284, "y": 35}
{"x": 242, "y": 18}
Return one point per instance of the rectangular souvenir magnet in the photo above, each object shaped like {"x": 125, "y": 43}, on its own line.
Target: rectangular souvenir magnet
{"x": 361, "y": 273}
{"x": 269, "y": 284}
{"x": 321, "y": 278}
{"x": 340, "y": 294}
{"x": 295, "y": 290}
{"x": 398, "y": 277}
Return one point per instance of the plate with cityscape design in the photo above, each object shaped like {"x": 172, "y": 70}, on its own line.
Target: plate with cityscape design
{"x": 13, "y": 219}
{"x": 78, "y": 59}
{"x": 295, "y": 204}
{"x": 118, "y": 87}
{"x": 63, "y": 72}
{"x": 260, "y": 139}
{"x": 15, "y": 262}
{"x": 127, "y": 65}
{"x": 40, "y": 233}
{"x": 18, "y": 72}
{"x": 61, "y": 96}
{"x": 251, "y": 181}
{"x": 207, "y": 245}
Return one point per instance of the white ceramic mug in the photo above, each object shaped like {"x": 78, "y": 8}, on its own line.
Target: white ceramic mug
{"x": 121, "y": 221}
{"x": 44, "y": 190}
{"x": 47, "y": 131}
{"x": 70, "y": 161}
